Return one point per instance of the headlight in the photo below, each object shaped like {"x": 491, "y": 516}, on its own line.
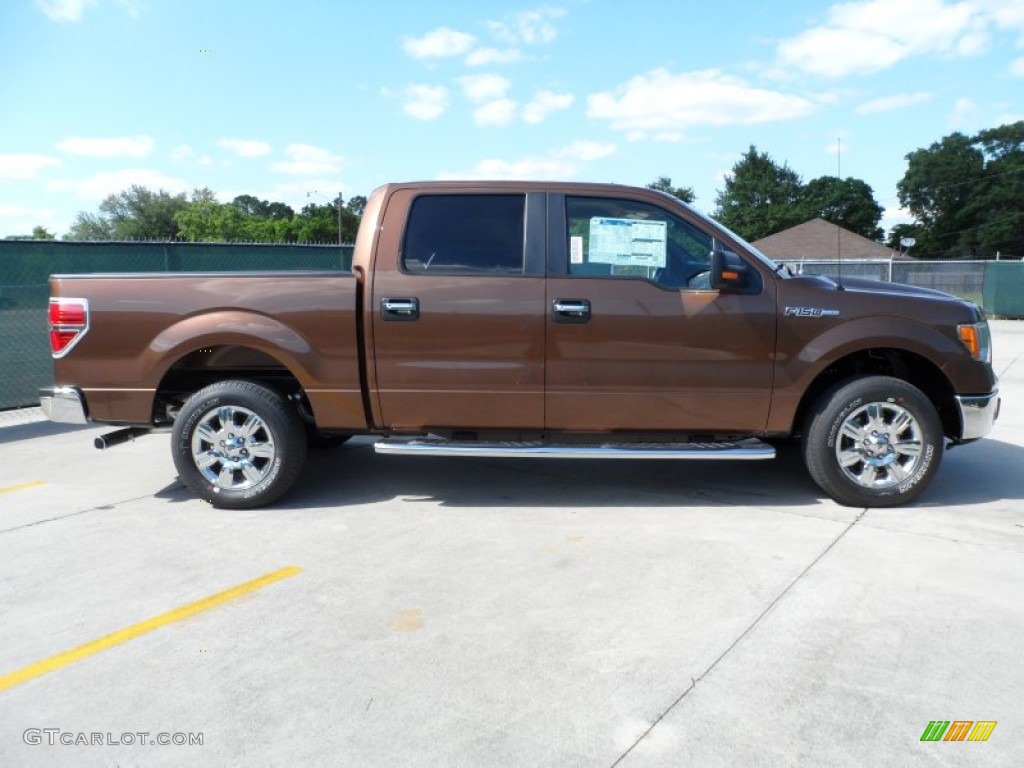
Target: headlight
{"x": 977, "y": 339}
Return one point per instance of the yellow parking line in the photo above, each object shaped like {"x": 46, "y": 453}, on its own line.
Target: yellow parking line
{"x": 135, "y": 630}
{"x": 22, "y": 486}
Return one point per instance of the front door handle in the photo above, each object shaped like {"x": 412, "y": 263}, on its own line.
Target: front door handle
{"x": 570, "y": 310}
{"x": 401, "y": 310}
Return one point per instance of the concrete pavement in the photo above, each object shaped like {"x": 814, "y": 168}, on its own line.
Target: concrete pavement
{"x": 469, "y": 612}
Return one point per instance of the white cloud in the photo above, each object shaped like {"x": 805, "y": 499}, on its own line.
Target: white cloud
{"x": 564, "y": 163}
{"x": 965, "y": 115}
{"x": 245, "y": 147}
{"x": 663, "y": 101}
{"x": 438, "y": 44}
{"x": 307, "y": 160}
{"x": 24, "y": 212}
{"x": 484, "y": 87}
{"x": 182, "y": 152}
{"x": 1009, "y": 119}
{"x": 425, "y": 102}
{"x": 868, "y": 36}
{"x": 893, "y": 216}
{"x": 205, "y": 160}
{"x": 115, "y": 146}
{"x": 1007, "y": 15}
{"x": 896, "y": 101}
{"x": 587, "y": 150}
{"x": 21, "y": 219}
{"x": 497, "y": 112}
{"x": 25, "y": 165}
{"x": 132, "y": 7}
{"x": 100, "y": 185}
{"x": 318, "y": 189}
{"x": 64, "y": 10}
{"x": 1017, "y": 67}
{"x": 836, "y": 148}
{"x": 529, "y": 27}
{"x": 544, "y": 103}
{"x": 486, "y": 56}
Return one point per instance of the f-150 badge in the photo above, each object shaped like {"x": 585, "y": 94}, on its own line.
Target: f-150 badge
{"x": 810, "y": 312}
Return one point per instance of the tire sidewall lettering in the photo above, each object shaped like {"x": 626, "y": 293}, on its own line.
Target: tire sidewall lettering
{"x": 921, "y": 472}
{"x": 833, "y": 433}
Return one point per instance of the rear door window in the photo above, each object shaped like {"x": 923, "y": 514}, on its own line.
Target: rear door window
{"x": 465, "y": 234}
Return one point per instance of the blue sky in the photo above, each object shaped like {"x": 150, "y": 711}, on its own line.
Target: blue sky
{"x": 298, "y": 100}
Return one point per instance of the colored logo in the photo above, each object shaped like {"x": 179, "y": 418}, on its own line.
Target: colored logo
{"x": 958, "y": 730}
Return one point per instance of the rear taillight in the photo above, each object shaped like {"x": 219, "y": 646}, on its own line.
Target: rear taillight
{"x": 69, "y": 321}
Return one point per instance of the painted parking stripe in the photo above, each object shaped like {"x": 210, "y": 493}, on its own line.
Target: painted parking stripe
{"x": 135, "y": 630}
{"x": 23, "y": 486}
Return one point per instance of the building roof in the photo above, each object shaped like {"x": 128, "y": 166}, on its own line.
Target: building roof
{"x": 820, "y": 239}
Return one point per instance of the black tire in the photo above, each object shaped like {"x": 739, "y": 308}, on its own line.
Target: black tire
{"x": 249, "y": 449}
{"x": 873, "y": 442}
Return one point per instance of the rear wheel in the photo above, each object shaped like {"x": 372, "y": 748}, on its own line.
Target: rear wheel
{"x": 238, "y": 444}
{"x": 873, "y": 442}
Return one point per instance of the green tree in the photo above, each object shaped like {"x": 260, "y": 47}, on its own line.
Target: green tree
{"x": 140, "y": 213}
{"x": 90, "y": 226}
{"x": 41, "y": 233}
{"x": 664, "y": 184}
{"x": 760, "y": 197}
{"x": 965, "y": 194}
{"x": 849, "y": 203}
{"x": 356, "y": 205}
{"x": 209, "y": 221}
{"x": 998, "y": 204}
{"x": 936, "y": 189}
{"x": 135, "y": 213}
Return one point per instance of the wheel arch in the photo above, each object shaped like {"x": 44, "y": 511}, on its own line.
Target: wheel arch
{"x": 198, "y": 365}
{"x": 899, "y": 363}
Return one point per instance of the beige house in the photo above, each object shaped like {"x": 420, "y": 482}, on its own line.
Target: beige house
{"x": 822, "y": 240}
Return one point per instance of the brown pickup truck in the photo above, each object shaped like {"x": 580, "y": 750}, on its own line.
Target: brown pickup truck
{"x": 527, "y": 320}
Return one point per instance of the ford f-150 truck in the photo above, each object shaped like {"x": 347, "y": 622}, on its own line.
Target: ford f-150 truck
{"x": 527, "y": 320}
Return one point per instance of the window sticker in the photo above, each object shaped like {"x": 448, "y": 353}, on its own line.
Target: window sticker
{"x": 627, "y": 242}
{"x": 575, "y": 250}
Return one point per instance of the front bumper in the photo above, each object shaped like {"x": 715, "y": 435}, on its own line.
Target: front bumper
{"x": 63, "y": 404}
{"x": 977, "y": 414}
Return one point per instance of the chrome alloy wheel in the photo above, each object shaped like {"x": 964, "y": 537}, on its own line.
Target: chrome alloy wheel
{"x": 233, "y": 448}
{"x": 879, "y": 445}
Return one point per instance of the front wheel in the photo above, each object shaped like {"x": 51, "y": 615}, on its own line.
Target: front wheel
{"x": 238, "y": 444}
{"x": 873, "y": 442}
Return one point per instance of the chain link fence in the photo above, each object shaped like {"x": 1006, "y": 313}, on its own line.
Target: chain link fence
{"x": 25, "y": 268}
{"x": 965, "y": 279}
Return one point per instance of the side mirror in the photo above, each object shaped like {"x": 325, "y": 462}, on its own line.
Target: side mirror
{"x": 731, "y": 274}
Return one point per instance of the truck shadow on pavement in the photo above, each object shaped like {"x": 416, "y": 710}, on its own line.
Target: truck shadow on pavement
{"x": 352, "y": 475}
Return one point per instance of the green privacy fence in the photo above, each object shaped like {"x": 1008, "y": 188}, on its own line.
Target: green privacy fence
{"x": 26, "y": 265}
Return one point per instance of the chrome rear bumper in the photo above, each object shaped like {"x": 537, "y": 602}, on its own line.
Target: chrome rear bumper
{"x": 977, "y": 414}
{"x": 63, "y": 404}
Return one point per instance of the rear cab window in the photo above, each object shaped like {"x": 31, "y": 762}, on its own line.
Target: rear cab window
{"x": 465, "y": 234}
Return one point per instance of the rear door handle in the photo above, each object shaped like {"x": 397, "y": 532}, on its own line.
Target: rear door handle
{"x": 570, "y": 310}
{"x": 400, "y": 310}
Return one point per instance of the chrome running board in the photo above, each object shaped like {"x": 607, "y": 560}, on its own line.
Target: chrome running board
{"x": 750, "y": 448}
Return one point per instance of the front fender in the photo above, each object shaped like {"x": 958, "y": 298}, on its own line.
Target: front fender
{"x": 806, "y": 350}
{"x": 802, "y": 364}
